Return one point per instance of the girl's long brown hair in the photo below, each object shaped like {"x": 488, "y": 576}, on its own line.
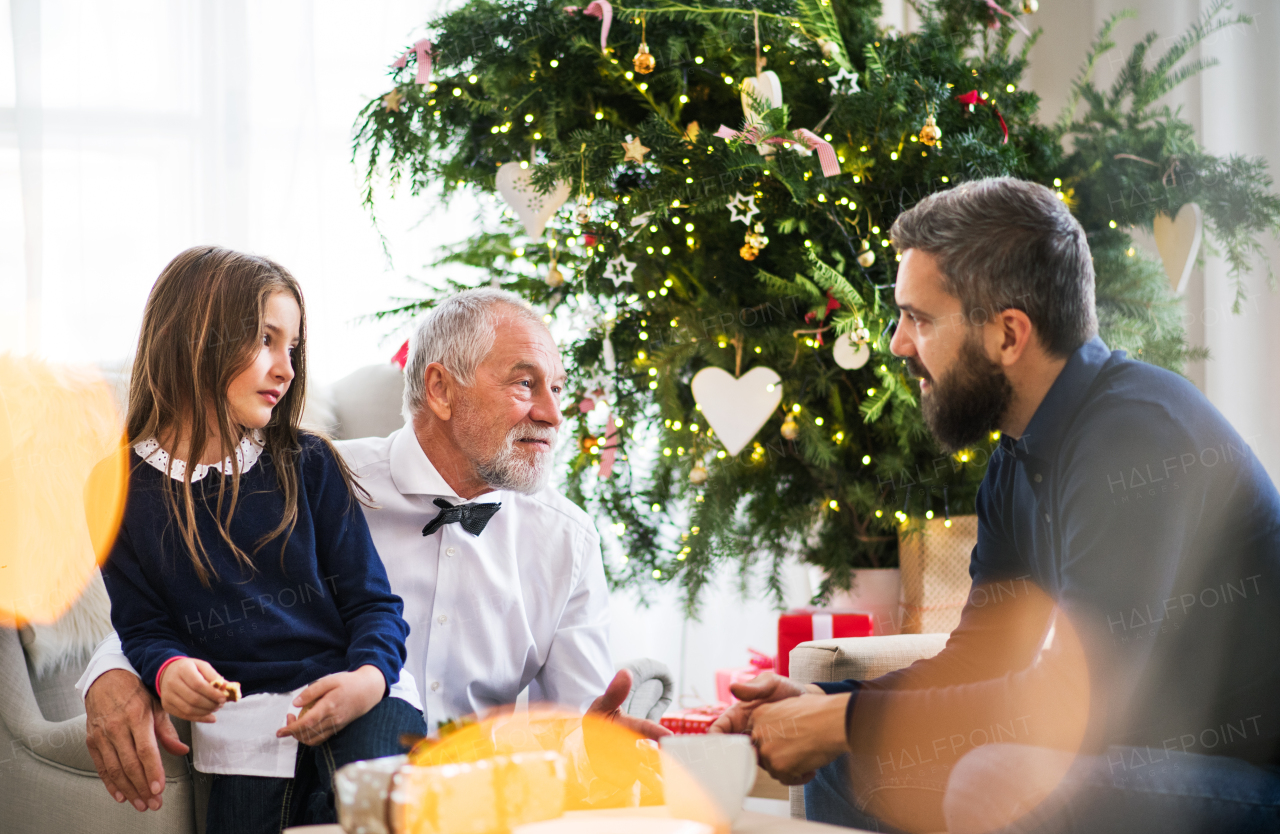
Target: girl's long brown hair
{"x": 202, "y": 326}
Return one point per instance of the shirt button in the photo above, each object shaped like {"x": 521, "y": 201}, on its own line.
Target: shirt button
{"x": 435, "y": 685}
{"x": 442, "y": 619}
{"x": 1039, "y": 477}
{"x": 449, "y": 551}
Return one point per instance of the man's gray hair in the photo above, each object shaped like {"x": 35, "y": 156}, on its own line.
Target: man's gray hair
{"x": 1004, "y": 243}
{"x": 458, "y": 333}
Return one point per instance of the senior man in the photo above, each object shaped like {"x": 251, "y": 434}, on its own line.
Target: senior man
{"x": 500, "y": 594}
{"x": 1117, "y": 665}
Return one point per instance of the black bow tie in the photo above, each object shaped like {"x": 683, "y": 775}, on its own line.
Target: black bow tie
{"x": 472, "y": 517}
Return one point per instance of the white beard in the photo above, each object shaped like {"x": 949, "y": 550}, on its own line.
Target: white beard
{"x": 510, "y": 467}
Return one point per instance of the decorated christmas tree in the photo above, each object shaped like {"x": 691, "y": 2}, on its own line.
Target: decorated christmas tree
{"x": 706, "y": 190}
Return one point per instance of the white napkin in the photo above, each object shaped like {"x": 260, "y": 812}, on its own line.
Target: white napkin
{"x": 243, "y": 739}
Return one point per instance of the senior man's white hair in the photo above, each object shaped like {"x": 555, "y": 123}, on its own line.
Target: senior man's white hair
{"x": 458, "y": 333}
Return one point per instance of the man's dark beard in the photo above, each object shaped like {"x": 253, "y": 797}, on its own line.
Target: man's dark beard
{"x": 968, "y": 401}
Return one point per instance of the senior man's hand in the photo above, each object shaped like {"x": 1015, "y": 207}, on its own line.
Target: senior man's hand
{"x": 622, "y": 766}
{"x": 123, "y": 721}
{"x": 764, "y": 688}
{"x": 796, "y": 736}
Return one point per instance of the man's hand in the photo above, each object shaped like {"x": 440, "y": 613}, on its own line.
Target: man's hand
{"x": 187, "y": 691}
{"x": 123, "y": 721}
{"x": 764, "y": 688}
{"x": 796, "y": 736}
{"x": 332, "y": 703}
{"x": 609, "y": 707}
{"x": 618, "y": 765}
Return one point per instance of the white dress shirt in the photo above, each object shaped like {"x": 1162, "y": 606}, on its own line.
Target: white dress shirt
{"x": 524, "y": 604}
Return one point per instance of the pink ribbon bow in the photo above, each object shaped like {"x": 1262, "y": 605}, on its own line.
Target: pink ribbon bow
{"x": 802, "y": 136}
{"x": 424, "y": 52}
{"x": 751, "y": 135}
{"x": 995, "y": 21}
{"x": 601, "y": 9}
{"x": 608, "y": 449}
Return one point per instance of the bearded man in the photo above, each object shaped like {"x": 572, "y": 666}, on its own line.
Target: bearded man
{"x": 1117, "y": 665}
{"x": 500, "y": 594}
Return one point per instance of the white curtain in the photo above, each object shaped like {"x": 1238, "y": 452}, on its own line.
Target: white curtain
{"x": 130, "y": 130}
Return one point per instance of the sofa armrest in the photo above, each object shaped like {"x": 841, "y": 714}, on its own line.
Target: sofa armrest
{"x": 59, "y": 742}
{"x": 861, "y": 658}
{"x": 856, "y": 658}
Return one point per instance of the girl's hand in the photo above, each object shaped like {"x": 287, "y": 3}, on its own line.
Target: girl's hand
{"x": 332, "y": 703}
{"x": 186, "y": 690}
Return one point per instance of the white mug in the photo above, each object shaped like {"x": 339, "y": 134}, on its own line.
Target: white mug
{"x": 722, "y": 764}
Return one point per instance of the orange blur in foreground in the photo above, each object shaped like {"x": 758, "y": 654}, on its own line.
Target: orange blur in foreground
{"x": 63, "y": 479}
{"x": 605, "y": 767}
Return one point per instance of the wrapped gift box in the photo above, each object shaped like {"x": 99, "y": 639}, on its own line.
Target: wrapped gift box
{"x": 760, "y": 662}
{"x": 935, "y": 573}
{"x": 487, "y": 796}
{"x": 803, "y": 624}
{"x": 692, "y": 721}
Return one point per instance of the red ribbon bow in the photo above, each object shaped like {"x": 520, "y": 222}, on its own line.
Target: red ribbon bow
{"x": 424, "y": 52}
{"x": 971, "y": 98}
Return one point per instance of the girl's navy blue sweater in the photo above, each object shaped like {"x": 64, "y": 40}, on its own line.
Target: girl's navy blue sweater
{"x": 325, "y": 607}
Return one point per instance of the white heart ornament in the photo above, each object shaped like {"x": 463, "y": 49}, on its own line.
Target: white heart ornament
{"x": 737, "y": 408}
{"x": 1178, "y": 241}
{"x": 765, "y": 86}
{"x": 533, "y": 209}
{"x": 849, "y": 354}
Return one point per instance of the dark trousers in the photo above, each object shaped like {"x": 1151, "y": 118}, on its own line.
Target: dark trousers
{"x": 1014, "y": 789}
{"x": 263, "y": 804}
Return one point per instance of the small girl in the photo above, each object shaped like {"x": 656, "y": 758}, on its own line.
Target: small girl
{"x": 244, "y": 555}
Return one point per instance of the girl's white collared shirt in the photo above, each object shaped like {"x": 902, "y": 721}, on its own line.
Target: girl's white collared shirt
{"x": 247, "y": 452}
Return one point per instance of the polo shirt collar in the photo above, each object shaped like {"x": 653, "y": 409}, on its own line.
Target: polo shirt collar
{"x": 1045, "y": 430}
{"x": 412, "y": 471}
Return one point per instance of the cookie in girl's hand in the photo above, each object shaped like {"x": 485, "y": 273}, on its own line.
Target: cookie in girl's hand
{"x": 229, "y": 688}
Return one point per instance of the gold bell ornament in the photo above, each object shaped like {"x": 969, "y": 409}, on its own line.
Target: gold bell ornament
{"x": 643, "y": 61}
{"x": 753, "y": 242}
{"x": 790, "y": 429}
{"x": 698, "y": 474}
{"x": 930, "y": 134}
{"x": 867, "y": 258}
{"x": 555, "y": 277}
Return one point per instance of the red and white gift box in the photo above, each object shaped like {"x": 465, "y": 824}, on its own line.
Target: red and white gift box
{"x": 760, "y": 662}
{"x": 800, "y": 625}
{"x": 692, "y": 720}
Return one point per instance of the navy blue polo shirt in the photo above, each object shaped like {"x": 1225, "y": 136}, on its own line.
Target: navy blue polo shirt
{"x": 1139, "y": 511}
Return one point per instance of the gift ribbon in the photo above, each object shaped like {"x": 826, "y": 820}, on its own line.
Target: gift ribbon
{"x": 995, "y": 22}
{"x": 802, "y": 136}
{"x": 971, "y": 98}
{"x": 608, "y": 449}
{"x": 424, "y": 52}
{"x": 601, "y": 9}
